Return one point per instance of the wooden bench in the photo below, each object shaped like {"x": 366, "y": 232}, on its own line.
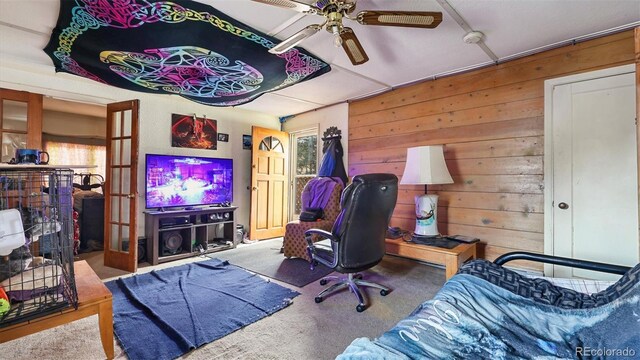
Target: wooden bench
{"x": 452, "y": 259}
{"x": 93, "y": 298}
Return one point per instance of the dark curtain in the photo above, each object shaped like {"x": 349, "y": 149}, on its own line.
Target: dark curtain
{"x": 332, "y": 164}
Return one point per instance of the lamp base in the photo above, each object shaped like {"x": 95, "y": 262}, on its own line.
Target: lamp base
{"x": 426, "y": 215}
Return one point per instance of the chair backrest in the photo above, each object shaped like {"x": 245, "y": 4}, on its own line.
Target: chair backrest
{"x": 367, "y": 205}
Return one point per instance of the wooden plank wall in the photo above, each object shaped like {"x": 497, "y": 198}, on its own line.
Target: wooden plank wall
{"x": 491, "y": 121}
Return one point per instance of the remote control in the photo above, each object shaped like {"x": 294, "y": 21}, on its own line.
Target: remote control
{"x": 466, "y": 239}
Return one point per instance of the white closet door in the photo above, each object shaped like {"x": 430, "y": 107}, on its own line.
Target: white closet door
{"x": 595, "y": 185}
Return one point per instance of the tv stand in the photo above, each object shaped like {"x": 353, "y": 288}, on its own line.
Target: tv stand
{"x": 188, "y": 232}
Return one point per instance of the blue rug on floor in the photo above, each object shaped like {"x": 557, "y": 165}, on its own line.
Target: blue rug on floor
{"x": 166, "y": 313}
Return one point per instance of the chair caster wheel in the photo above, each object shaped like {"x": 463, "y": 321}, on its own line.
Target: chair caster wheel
{"x": 318, "y": 299}
{"x": 361, "y": 308}
{"x": 384, "y": 292}
{"x": 323, "y": 282}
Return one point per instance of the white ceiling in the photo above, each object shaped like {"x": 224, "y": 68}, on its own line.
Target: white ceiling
{"x": 398, "y": 56}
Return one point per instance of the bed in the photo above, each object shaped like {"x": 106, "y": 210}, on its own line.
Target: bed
{"x": 89, "y": 204}
{"x": 488, "y": 311}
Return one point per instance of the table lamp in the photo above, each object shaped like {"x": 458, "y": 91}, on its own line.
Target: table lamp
{"x": 426, "y": 166}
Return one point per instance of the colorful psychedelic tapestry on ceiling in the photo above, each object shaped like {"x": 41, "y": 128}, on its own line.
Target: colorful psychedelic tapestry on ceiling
{"x": 174, "y": 47}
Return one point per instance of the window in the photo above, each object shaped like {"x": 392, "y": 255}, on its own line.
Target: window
{"x": 304, "y": 164}
{"x": 70, "y": 151}
{"x": 271, "y": 143}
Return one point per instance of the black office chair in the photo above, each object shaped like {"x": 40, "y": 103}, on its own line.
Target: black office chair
{"x": 356, "y": 241}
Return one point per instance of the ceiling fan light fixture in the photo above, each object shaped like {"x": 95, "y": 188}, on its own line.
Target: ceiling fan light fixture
{"x": 295, "y": 39}
{"x": 334, "y": 11}
{"x": 337, "y": 41}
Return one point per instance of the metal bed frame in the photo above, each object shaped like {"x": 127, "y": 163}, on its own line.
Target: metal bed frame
{"x": 556, "y": 260}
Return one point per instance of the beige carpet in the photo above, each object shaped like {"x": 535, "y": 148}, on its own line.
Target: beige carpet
{"x": 304, "y": 330}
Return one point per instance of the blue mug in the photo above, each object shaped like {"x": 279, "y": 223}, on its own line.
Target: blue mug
{"x": 31, "y": 156}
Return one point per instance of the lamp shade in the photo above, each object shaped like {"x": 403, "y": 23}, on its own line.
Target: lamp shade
{"x": 425, "y": 165}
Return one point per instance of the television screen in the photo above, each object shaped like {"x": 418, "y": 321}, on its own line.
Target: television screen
{"x": 173, "y": 180}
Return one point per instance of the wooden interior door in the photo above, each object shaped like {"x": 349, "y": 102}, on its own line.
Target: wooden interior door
{"x": 120, "y": 227}
{"x": 269, "y": 176}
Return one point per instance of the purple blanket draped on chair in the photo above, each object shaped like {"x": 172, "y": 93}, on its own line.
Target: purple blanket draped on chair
{"x": 317, "y": 192}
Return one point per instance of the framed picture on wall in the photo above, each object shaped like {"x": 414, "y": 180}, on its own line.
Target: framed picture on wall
{"x": 223, "y": 137}
{"x": 193, "y": 132}
{"x": 246, "y": 142}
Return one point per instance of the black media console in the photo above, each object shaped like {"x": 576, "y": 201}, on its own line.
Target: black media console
{"x": 177, "y": 234}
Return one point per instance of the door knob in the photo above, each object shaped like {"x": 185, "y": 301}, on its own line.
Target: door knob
{"x": 254, "y": 188}
{"x": 131, "y": 196}
{"x": 563, "y": 206}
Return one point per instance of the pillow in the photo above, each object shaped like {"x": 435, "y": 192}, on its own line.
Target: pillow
{"x": 84, "y": 194}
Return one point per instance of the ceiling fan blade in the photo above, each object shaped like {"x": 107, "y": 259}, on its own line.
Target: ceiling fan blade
{"x": 420, "y": 19}
{"x": 352, "y": 47}
{"x": 295, "y": 39}
{"x": 292, "y": 5}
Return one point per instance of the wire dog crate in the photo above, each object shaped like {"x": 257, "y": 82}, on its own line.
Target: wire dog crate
{"x": 36, "y": 243}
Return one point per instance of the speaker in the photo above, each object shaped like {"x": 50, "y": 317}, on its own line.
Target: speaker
{"x": 221, "y": 216}
{"x": 171, "y": 243}
{"x": 142, "y": 250}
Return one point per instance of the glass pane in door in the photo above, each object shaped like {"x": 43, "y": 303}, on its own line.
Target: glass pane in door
{"x": 115, "y": 181}
{"x": 114, "y": 244}
{"x": 117, "y": 124}
{"x": 126, "y": 152}
{"x": 126, "y": 209}
{"x": 124, "y": 244}
{"x": 115, "y": 152}
{"x": 11, "y": 142}
{"x": 115, "y": 208}
{"x": 126, "y": 190}
{"x": 127, "y": 123}
{"x": 14, "y": 115}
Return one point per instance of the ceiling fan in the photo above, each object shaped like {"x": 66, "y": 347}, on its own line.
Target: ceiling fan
{"x": 336, "y": 10}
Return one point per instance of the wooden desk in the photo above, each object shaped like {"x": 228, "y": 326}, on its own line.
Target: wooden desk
{"x": 452, "y": 259}
{"x": 93, "y": 298}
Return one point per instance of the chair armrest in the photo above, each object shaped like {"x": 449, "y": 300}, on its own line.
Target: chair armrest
{"x": 325, "y": 234}
{"x": 311, "y": 249}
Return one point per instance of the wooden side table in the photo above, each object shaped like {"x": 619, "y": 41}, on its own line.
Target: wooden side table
{"x": 93, "y": 298}
{"x": 452, "y": 259}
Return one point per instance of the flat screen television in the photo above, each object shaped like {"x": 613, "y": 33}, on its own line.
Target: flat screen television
{"x": 187, "y": 181}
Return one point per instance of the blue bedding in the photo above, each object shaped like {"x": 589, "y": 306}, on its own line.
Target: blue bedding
{"x": 472, "y": 318}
